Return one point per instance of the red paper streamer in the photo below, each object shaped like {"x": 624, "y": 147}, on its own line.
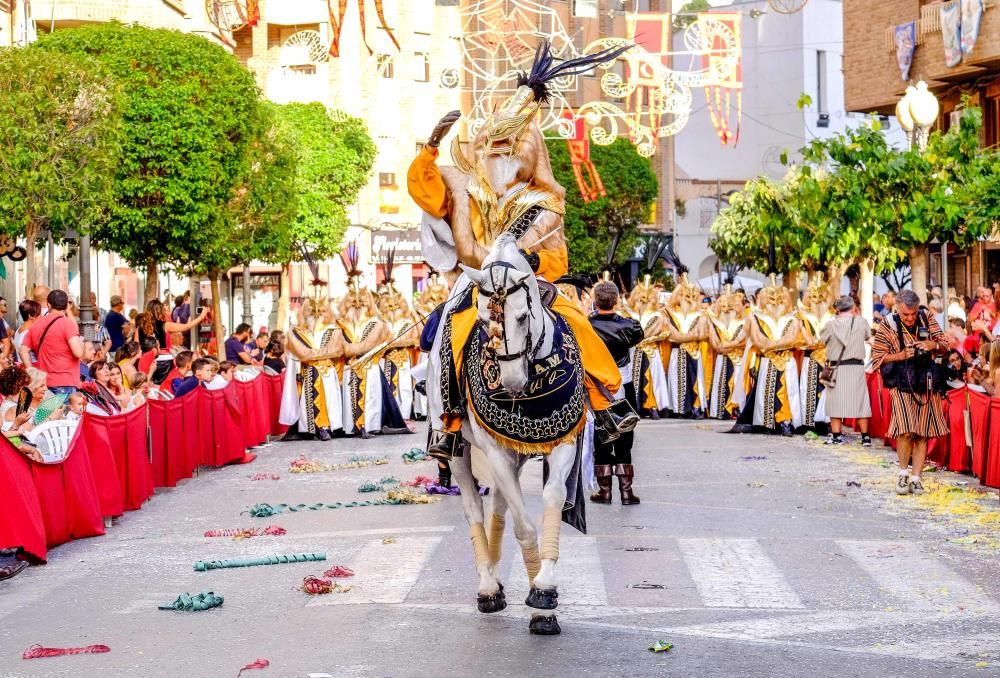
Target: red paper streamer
{"x": 253, "y": 12}
{"x": 259, "y": 664}
{"x": 419, "y": 481}
{"x": 247, "y": 532}
{"x": 265, "y": 476}
{"x": 38, "y": 652}
{"x": 337, "y": 24}
{"x": 339, "y": 571}
{"x": 315, "y": 586}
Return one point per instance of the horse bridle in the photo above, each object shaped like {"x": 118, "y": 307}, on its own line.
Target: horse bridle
{"x": 496, "y": 305}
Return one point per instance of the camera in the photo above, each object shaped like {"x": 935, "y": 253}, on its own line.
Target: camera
{"x": 923, "y": 334}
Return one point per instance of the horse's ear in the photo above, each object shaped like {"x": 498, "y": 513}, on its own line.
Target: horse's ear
{"x": 475, "y": 275}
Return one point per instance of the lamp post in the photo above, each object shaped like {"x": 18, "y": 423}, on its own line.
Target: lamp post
{"x": 903, "y": 114}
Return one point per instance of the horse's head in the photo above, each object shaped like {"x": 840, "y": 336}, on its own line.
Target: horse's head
{"x": 511, "y": 309}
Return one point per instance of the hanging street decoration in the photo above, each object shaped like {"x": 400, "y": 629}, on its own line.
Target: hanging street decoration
{"x": 787, "y": 6}
{"x": 11, "y": 250}
{"x": 642, "y": 98}
{"x": 588, "y": 181}
{"x": 232, "y": 15}
{"x": 337, "y": 24}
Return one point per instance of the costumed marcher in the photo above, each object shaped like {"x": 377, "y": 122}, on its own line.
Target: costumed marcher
{"x": 311, "y": 396}
{"x": 503, "y": 183}
{"x": 652, "y": 390}
{"x": 815, "y": 311}
{"x": 690, "y": 359}
{"x": 368, "y": 403}
{"x": 728, "y": 339}
{"x": 397, "y": 359}
{"x": 773, "y": 403}
{"x": 621, "y": 335}
{"x": 434, "y": 294}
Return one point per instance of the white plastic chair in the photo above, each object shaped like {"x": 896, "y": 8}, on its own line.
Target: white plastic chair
{"x": 157, "y": 394}
{"x": 247, "y": 373}
{"x": 52, "y": 438}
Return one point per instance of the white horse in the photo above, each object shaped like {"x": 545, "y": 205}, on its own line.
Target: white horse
{"x": 520, "y": 329}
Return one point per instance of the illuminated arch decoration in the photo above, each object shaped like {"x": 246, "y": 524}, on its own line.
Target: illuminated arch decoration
{"x": 787, "y": 6}
{"x": 648, "y": 100}
{"x": 310, "y": 44}
{"x": 232, "y": 15}
{"x": 337, "y": 24}
{"x": 587, "y": 178}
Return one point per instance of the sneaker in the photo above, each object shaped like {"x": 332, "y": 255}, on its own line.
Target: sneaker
{"x": 866, "y": 440}
{"x": 833, "y": 439}
{"x": 916, "y": 487}
{"x": 903, "y": 485}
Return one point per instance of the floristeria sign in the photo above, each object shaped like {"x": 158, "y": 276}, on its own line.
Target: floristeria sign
{"x": 406, "y": 243}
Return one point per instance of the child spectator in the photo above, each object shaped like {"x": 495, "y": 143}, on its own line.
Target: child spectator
{"x": 181, "y": 370}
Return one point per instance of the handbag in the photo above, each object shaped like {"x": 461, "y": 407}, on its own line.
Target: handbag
{"x": 828, "y": 375}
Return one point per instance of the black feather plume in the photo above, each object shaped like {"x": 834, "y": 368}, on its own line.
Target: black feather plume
{"x": 609, "y": 258}
{"x": 388, "y": 264}
{"x": 655, "y": 250}
{"x": 670, "y": 255}
{"x": 349, "y": 259}
{"x": 542, "y": 70}
{"x": 313, "y": 266}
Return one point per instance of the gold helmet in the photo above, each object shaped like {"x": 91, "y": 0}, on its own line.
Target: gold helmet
{"x": 775, "y": 297}
{"x": 729, "y": 302}
{"x": 685, "y": 292}
{"x": 817, "y": 292}
{"x": 643, "y": 295}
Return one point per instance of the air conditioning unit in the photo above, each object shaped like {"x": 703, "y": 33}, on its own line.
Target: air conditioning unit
{"x": 823, "y": 120}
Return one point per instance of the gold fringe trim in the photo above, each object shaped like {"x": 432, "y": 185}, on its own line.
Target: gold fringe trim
{"x": 530, "y": 448}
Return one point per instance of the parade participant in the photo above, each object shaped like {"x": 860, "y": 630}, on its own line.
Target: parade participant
{"x": 312, "y": 394}
{"x": 815, "y": 311}
{"x": 905, "y": 345}
{"x": 649, "y": 377}
{"x": 689, "y": 355}
{"x": 434, "y": 294}
{"x": 396, "y": 360}
{"x": 621, "y": 335}
{"x": 773, "y": 401}
{"x": 368, "y": 403}
{"x": 504, "y": 184}
{"x": 728, "y": 339}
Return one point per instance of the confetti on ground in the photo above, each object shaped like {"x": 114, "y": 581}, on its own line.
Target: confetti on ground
{"x": 238, "y": 533}
{"x": 202, "y": 565}
{"x": 415, "y": 455}
{"x": 811, "y": 435}
{"x": 756, "y": 484}
{"x": 379, "y": 485}
{"x": 196, "y": 603}
{"x": 259, "y": 664}
{"x": 389, "y": 540}
{"x": 661, "y": 646}
{"x": 302, "y": 464}
{"x": 339, "y": 571}
{"x": 39, "y": 652}
{"x": 853, "y": 483}
{"x": 419, "y": 481}
{"x": 315, "y": 586}
{"x": 265, "y": 476}
{"x": 755, "y": 458}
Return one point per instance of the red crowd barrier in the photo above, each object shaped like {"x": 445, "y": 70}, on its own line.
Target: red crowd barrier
{"x": 114, "y": 463}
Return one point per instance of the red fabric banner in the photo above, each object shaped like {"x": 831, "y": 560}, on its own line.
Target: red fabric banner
{"x": 126, "y": 436}
{"x": 104, "y": 468}
{"x": 990, "y": 474}
{"x": 980, "y": 410}
{"x": 21, "y": 524}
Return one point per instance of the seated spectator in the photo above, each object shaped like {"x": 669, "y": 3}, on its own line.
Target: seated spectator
{"x": 149, "y": 348}
{"x": 127, "y": 358}
{"x": 181, "y": 371}
{"x": 278, "y": 336}
{"x": 140, "y": 391}
{"x": 219, "y": 380}
{"x": 236, "y": 349}
{"x": 273, "y": 356}
{"x": 100, "y": 389}
{"x": 12, "y": 380}
{"x": 75, "y": 406}
{"x": 227, "y": 370}
{"x": 122, "y": 392}
{"x": 177, "y": 343}
{"x": 202, "y": 373}
{"x": 259, "y": 347}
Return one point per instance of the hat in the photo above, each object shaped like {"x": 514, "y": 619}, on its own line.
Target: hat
{"x": 955, "y": 311}
{"x": 116, "y": 300}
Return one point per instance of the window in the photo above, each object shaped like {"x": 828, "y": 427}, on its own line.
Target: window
{"x": 308, "y": 69}
{"x": 586, "y": 9}
{"x": 386, "y": 179}
{"x": 385, "y": 65}
{"x": 422, "y": 67}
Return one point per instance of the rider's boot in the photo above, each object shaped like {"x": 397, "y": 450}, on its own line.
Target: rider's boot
{"x": 444, "y": 445}
{"x": 617, "y": 419}
{"x": 444, "y": 474}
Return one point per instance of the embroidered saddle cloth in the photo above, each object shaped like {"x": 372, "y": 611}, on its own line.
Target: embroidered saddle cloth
{"x": 552, "y": 406}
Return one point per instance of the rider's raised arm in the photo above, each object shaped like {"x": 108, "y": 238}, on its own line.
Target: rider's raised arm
{"x": 424, "y": 182}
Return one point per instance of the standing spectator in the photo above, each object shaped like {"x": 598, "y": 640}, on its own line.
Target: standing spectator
{"x": 877, "y": 304}
{"x": 259, "y": 346}
{"x": 845, "y": 337}
{"x": 908, "y": 340}
{"x": 236, "y": 349}
{"x": 30, "y": 311}
{"x": 981, "y": 318}
{"x": 56, "y": 341}
{"x": 156, "y": 322}
{"x": 620, "y": 335}
{"x": 115, "y": 323}
{"x": 182, "y": 309}
{"x": 888, "y": 302}
{"x": 89, "y": 357}
{"x": 40, "y": 293}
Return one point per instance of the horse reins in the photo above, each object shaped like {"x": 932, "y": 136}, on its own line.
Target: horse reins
{"x": 496, "y": 305}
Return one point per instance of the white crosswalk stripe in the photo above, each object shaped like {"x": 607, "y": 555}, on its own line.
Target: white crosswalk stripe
{"x": 914, "y": 579}
{"x": 389, "y": 571}
{"x": 579, "y": 572}
{"x": 736, "y": 573}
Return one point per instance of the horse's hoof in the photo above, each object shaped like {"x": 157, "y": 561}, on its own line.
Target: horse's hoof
{"x": 542, "y": 599}
{"x": 544, "y": 625}
{"x": 493, "y": 602}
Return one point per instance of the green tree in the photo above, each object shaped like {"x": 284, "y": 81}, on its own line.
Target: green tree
{"x": 688, "y": 13}
{"x": 335, "y": 158}
{"x": 61, "y": 145}
{"x": 188, "y": 124}
{"x": 631, "y": 191}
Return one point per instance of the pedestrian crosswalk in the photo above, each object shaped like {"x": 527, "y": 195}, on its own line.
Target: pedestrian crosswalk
{"x": 736, "y": 573}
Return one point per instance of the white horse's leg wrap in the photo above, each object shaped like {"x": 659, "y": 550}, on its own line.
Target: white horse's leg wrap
{"x": 532, "y": 562}
{"x": 551, "y": 519}
{"x": 480, "y": 545}
{"x": 497, "y": 524}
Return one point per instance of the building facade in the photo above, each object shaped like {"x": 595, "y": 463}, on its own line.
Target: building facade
{"x": 873, "y": 81}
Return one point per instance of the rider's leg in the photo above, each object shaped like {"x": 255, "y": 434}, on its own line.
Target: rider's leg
{"x": 446, "y": 441}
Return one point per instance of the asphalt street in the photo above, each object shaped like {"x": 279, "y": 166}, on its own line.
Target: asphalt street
{"x": 753, "y": 556}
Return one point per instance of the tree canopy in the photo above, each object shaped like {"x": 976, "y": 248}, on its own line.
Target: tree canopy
{"x": 631, "y": 187}
{"x": 335, "y": 156}
{"x": 188, "y": 123}
{"x": 61, "y": 144}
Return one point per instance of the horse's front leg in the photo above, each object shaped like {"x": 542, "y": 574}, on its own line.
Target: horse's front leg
{"x": 553, "y": 498}
{"x": 491, "y": 597}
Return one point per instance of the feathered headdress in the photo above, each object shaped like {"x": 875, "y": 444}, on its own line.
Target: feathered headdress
{"x": 316, "y": 283}
{"x": 656, "y": 249}
{"x": 388, "y": 265}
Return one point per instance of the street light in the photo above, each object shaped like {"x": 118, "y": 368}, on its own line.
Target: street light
{"x": 903, "y": 114}
{"x": 924, "y": 109}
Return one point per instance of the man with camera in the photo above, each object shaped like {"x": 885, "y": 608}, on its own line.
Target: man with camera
{"x": 904, "y": 350}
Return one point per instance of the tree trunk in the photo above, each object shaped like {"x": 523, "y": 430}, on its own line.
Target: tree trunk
{"x": 220, "y": 341}
{"x": 918, "y": 271}
{"x": 284, "y": 298}
{"x": 791, "y": 280}
{"x": 866, "y": 289}
{"x": 31, "y": 278}
{"x": 152, "y": 281}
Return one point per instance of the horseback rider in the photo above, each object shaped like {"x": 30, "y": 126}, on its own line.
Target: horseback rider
{"x": 504, "y": 184}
